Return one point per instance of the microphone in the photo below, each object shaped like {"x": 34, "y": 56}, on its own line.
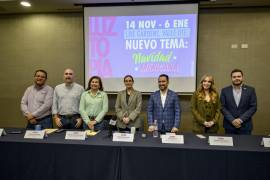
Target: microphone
{"x": 112, "y": 124}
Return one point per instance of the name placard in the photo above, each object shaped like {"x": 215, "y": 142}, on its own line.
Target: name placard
{"x": 172, "y": 139}
{"x": 220, "y": 141}
{"x": 123, "y": 137}
{"x": 75, "y": 135}
{"x": 31, "y": 134}
{"x": 266, "y": 142}
{"x": 2, "y": 132}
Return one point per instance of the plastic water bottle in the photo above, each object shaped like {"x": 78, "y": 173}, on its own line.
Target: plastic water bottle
{"x": 155, "y": 132}
{"x": 38, "y": 127}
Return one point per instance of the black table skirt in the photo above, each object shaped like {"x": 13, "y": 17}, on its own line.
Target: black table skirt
{"x": 54, "y": 158}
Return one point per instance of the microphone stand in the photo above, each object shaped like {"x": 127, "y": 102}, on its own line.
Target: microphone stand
{"x": 111, "y": 124}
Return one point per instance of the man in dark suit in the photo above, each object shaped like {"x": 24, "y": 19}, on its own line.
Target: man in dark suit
{"x": 239, "y": 104}
{"x": 164, "y": 106}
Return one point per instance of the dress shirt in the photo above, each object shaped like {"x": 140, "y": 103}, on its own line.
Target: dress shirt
{"x": 37, "y": 101}
{"x": 93, "y": 105}
{"x": 163, "y": 97}
{"x": 66, "y": 99}
{"x": 237, "y": 92}
{"x": 127, "y": 97}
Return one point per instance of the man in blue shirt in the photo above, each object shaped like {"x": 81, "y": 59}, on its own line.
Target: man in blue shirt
{"x": 66, "y": 101}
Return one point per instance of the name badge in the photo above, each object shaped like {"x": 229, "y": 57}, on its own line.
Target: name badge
{"x": 172, "y": 139}
{"x": 220, "y": 141}
{"x": 31, "y": 134}
{"x": 123, "y": 137}
{"x": 75, "y": 135}
{"x": 266, "y": 142}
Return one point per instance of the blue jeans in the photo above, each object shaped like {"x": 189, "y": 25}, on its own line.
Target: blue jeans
{"x": 45, "y": 122}
{"x": 237, "y": 131}
{"x": 97, "y": 127}
{"x": 69, "y": 122}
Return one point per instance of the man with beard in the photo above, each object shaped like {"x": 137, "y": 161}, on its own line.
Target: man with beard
{"x": 66, "y": 101}
{"x": 164, "y": 107}
{"x": 36, "y": 102}
{"x": 239, "y": 104}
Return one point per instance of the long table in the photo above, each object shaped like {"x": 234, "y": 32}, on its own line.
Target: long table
{"x": 98, "y": 158}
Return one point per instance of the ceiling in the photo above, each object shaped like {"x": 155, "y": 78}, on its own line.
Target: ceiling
{"x": 42, "y": 6}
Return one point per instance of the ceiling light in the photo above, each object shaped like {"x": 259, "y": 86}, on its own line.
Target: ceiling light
{"x": 25, "y": 3}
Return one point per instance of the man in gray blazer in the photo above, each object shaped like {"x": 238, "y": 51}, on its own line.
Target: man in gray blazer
{"x": 239, "y": 104}
{"x": 128, "y": 106}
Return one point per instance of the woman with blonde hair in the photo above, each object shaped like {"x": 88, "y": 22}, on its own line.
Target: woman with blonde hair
{"x": 205, "y": 106}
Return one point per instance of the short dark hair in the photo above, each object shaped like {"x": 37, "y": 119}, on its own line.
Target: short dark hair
{"x": 129, "y": 77}
{"x": 100, "y": 83}
{"x": 43, "y": 71}
{"x": 164, "y": 75}
{"x": 237, "y": 70}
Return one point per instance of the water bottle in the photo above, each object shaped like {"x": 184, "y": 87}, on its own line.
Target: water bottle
{"x": 163, "y": 129}
{"x": 155, "y": 132}
{"x": 38, "y": 127}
